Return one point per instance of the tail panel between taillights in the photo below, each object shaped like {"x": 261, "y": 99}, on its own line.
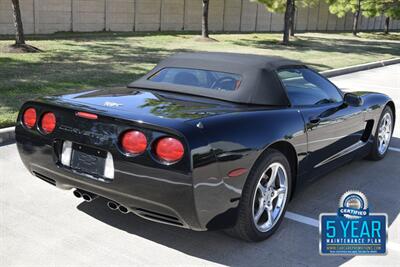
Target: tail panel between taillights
{"x": 102, "y": 131}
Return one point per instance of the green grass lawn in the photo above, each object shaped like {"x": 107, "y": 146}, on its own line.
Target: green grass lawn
{"x": 73, "y": 61}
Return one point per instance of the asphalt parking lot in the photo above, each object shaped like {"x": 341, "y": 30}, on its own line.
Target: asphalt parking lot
{"x": 44, "y": 226}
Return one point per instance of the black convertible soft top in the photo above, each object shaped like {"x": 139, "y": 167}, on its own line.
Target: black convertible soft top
{"x": 259, "y": 85}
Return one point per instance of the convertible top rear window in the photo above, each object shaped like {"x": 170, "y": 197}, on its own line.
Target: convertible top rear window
{"x": 198, "y": 78}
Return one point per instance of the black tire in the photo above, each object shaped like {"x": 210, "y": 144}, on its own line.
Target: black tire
{"x": 245, "y": 227}
{"x": 375, "y": 154}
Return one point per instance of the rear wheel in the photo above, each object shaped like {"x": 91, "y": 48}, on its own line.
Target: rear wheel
{"x": 383, "y": 135}
{"x": 264, "y": 198}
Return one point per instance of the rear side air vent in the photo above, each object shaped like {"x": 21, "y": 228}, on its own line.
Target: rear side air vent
{"x": 158, "y": 217}
{"x": 45, "y": 178}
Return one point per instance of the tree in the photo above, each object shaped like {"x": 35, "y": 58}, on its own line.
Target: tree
{"x": 19, "y": 33}
{"x": 341, "y": 7}
{"x": 389, "y": 8}
{"x": 204, "y": 24}
{"x": 387, "y": 21}
{"x": 287, "y": 21}
{"x": 281, "y": 6}
{"x": 292, "y": 18}
{"x": 20, "y": 44}
{"x": 289, "y": 8}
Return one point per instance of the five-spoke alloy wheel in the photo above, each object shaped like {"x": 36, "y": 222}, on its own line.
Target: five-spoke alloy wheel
{"x": 383, "y": 135}
{"x": 270, "y": 197}
{"x": 264, "y": 198}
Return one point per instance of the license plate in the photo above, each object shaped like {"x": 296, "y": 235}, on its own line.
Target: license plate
{"x": 88, "y": 160}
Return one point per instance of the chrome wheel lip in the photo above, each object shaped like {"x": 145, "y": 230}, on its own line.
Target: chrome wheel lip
{"x": 384, "y": 133}
{"x": 273, "y": 198}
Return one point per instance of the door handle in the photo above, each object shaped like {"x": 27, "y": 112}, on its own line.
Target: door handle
{"x": 315, "y": 120}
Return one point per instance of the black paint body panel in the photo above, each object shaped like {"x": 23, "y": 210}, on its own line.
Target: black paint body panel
{"x": 196, "y": 192}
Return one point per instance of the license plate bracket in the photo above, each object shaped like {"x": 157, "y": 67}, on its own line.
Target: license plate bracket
{"x": 88, "y": 160}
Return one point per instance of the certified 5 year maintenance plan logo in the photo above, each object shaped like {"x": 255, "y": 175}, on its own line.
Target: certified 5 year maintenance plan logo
{"x": 353, "y": 230}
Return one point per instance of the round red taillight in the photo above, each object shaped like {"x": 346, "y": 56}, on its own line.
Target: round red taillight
{"x": 48, "y": 122}
{"x": 169, "y": 149}
{"x": 29, "y": 117}
{"x": 134, "y": 142}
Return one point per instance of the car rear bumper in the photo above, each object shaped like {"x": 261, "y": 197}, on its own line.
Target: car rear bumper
{"x": 158, "y": 195}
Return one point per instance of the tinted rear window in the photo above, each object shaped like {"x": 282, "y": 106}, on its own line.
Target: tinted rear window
{"x": 198, "y": 78}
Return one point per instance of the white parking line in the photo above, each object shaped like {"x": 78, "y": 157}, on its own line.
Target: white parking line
{"x": 394, "y": 149}
{"x": 302, "y": 219}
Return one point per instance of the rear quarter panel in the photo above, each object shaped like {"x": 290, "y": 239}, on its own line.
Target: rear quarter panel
{"x": 238, "y": 140}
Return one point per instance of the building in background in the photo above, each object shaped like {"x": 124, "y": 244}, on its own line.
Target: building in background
{"x": 49, "y": 16}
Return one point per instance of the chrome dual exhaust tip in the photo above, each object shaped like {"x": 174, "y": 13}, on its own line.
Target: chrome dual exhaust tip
{"x": 87, "y": 196}
{"x": 115, "y": 206}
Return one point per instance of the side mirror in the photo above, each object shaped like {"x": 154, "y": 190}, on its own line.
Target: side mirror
{"x": 353, "y": 100}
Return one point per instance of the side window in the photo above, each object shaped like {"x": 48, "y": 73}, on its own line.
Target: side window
{"x": 305, "y": 87}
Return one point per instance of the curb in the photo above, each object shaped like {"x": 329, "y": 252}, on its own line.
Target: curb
{"x": 361, "y": 67}
{"x": 7, "y": 135}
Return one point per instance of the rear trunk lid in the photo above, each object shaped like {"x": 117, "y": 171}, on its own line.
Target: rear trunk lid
{"x": 152, "y": 107}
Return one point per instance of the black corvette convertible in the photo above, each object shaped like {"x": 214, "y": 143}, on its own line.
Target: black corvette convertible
{"x": 204, "y": 140}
